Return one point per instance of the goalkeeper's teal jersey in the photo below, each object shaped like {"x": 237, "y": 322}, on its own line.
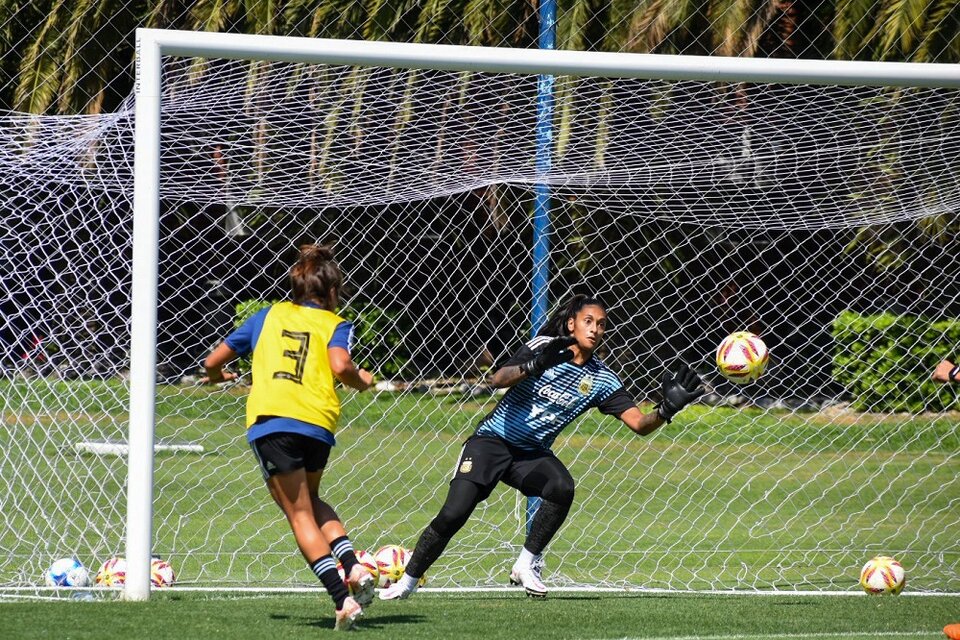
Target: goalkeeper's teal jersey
{"x": 534, "y": 411}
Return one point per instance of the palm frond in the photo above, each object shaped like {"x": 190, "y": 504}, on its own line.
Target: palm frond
{"x": 39, "y": 70}
{"x": 385, "y": 18}
{"x": 894, "y": 30}
{"x": 756, "y": 25}
{"x": 655, "y": 23}
{"x": 852, "y": 24}
{"x": 211, "y": 15}
{"x": 941, "y": 30}
{"x": 572, "y": 25}
{"x": 433, "y": 20}
{"x": 260, "y": 16}
{"x": 731, "y": 22}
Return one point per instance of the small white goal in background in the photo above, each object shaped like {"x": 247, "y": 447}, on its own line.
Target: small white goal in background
{"x": 120, "y": 448}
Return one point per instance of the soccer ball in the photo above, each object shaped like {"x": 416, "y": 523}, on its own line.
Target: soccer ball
{"x": 742, "y": 357}
{"x": 368, "y": 562}
{"x": 882, "y": 574}
{"x": 391, "y": 561}
{"x": 161, "y": 573}
{"x": 113, "y": 573}
{"x": 67, "y": 572}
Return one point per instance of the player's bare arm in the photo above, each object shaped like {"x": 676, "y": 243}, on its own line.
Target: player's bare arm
{"x": 642, "y": 424}
{"x": 346, "y": 371}
{"x": 214, "y": 362}
{"x": 507, "y": 377}
{"x": 678, "y": 389}
{"x": 555, "y": 352}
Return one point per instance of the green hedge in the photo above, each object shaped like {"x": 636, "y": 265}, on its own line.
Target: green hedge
{"x": 378, "y": 337}
{"x": 885, "y": 361}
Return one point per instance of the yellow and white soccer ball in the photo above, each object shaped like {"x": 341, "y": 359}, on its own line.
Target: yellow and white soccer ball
{"x": 883, "y": 575}
{"x": 391, "y": 562}
{"x": 742, "y": 357}
{"x": 161, "y": 573}
{"x": 113, "y": 572}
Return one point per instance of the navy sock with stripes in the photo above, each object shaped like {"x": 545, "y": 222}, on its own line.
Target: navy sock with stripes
{"x": 326, "y": 569}
{"x": 343, "y": 550}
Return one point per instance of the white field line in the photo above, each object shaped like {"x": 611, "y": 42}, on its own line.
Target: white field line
{"x": 455, "y": 590}
{"x": 792, "y": 636}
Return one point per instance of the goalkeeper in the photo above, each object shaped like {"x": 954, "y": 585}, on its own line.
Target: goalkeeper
{"x": 298, "y": 349}
{"x": 552, "y": 380}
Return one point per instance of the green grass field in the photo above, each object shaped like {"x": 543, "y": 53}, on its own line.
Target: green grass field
{"x": 583, "y": 616}
{"x": 722, "y": 498}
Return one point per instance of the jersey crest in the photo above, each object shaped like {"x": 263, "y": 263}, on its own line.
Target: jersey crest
{"x": 586, "y": 385}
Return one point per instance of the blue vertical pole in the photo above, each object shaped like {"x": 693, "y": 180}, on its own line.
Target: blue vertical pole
{"x": 541, "y": 202}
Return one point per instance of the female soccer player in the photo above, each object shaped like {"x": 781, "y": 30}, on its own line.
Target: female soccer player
{"x": 552, "y": 380}
{"x": 298, "y": 348}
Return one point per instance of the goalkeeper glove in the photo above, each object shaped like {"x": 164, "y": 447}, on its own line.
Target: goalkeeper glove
{"x": 549, "y": 355}
{"x": 678, "y": 389}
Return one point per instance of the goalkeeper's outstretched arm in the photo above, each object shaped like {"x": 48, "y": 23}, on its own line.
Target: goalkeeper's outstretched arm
{"x": 549, "y": 355}
{"x": 677, "y": 389}
{"x": 642, "y": 424}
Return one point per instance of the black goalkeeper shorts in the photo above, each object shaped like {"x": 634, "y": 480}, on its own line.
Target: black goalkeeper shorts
{"x": 487, "y": 460}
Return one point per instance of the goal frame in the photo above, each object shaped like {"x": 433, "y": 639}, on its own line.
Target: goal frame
{"x": 153, "y": 44}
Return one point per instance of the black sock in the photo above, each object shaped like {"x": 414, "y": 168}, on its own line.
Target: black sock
{"x": 429, "y": 547}
{"x": 343, "y": 551}
{"x": 546, "y": 522}
{"x": 326, "y": 569}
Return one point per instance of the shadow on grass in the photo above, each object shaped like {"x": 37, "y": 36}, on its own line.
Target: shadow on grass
{"x": 372, "y": 622}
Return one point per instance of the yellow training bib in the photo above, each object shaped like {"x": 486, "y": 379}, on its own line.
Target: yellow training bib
{"x": 291, "y": 370}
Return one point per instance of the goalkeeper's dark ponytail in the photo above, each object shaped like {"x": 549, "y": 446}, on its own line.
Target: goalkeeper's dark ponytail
{"x": 314, "y": 274}
{"x": 556, "y": 326}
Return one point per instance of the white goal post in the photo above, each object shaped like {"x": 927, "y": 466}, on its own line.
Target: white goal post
{"x": 153, "y": 45}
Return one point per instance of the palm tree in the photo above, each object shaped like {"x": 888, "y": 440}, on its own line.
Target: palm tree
{"x": 75, "y": 57}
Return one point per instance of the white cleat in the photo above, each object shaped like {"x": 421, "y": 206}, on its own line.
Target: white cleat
{"x": 397, "y": 591}
{"x": 529, "y": 577}
{"x": 347, "y": 616}
{"x": 362, "y": 585}
{"x": 538, "y": 565}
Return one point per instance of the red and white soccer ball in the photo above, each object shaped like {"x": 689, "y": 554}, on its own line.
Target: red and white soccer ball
{"x": 368, "y": 562}
{"x": 883, "y": 575}
{"x": 113, "y": 572}
{"x": 391, "y": 562}
{"x": 161, "y": 573}
{"x": 742, "y": 357}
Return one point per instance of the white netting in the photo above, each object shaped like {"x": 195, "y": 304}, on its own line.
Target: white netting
{"x": 693, "y": 209}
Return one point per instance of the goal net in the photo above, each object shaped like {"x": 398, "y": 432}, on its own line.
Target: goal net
{"x": 822, "y": 217}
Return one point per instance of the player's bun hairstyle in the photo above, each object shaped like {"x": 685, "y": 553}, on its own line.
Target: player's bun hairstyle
{"x": 556, "y": 326}
{"x": 314, "y": 274}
